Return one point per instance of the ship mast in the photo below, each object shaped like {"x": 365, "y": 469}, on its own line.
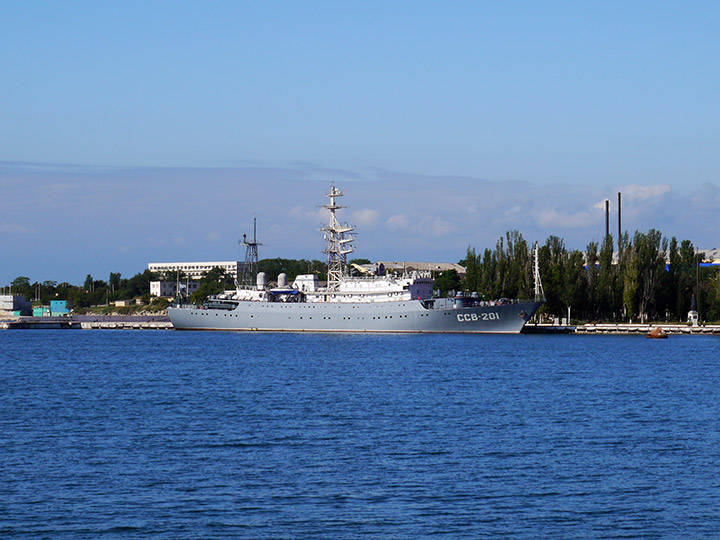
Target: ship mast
{"x": 539, "y": 291}
{"x": 251, "y": 258}
{"x": 339, "y": 238}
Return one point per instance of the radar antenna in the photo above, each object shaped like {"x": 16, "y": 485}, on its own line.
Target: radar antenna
{"x": 339, "y": 238}
{"x": 250, "y": 266}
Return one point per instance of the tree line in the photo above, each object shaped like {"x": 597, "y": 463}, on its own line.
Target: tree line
{"x": 99, "y": 292}
{"x": 646, "y": 277}
{"x": 93, "y": 292}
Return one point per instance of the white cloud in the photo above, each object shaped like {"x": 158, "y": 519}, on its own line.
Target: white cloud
{"x": 365, "y": 217}
{"x": 634, "y": 192}
{"x": 432, "y": 226}
{"x": 398, "y": 222}
{"x": 301, "y": 213}
{"x": 179, "y": 241}
{"x": 514, "y": 211}
{"x": 565, "y": 220}
{"x": 600, "y": 205}
{"x": 440, "y": 227}
{"x": 212, "y": 236}
{"x": 296, "y": 211}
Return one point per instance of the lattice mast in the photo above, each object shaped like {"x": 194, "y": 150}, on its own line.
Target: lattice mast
{"x": 539, "y": 291}
{"x": 251, "y": 258}
{"x": 339, "y": 238}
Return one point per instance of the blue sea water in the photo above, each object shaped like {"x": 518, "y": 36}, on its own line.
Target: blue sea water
{"x": 140, "y": 434}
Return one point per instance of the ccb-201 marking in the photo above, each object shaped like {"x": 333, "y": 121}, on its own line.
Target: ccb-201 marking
{"x": 470, "y": 317}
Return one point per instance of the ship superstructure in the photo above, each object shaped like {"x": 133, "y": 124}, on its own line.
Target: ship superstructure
{"x": 379, "y": 301}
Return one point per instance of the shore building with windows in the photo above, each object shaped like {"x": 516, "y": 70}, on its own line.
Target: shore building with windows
{"x": 195, "y": 270}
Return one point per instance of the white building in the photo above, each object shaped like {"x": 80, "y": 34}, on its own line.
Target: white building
{"x": 169, "y": 288}
{"x": 195, "y": 270}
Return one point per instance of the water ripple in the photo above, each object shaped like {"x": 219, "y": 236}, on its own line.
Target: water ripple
{"x": 217, "y": 435}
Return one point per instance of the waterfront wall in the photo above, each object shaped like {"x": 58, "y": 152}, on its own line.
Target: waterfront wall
{"x": 621, "y": 328}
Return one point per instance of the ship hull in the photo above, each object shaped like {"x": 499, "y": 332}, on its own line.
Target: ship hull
{"x": 404, "y": 316}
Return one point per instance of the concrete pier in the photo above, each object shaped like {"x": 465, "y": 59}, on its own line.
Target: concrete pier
{"x": 89, "y": 322}
{"x": 645, "y": 328}
{"x": 127, "y": 325}
{"x": 620, "y": 328}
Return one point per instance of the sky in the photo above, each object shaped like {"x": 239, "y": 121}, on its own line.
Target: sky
{"x": 137, "y": 132}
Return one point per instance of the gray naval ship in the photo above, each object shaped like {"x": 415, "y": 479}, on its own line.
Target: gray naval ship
{"x": 379, "y": 301}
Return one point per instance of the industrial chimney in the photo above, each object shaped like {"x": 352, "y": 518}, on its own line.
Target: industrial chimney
{"x": 607, "y": 218}
{"x": 619, "y": 218}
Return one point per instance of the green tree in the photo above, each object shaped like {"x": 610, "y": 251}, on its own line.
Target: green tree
{"x": 671, "y": 287}
{"x": 713, "y": 313}
{"x": 573, "y": 291}
{"x": 624, "y": 260}
{"x": 136, "y": 286}
{"x": 686, "y": 278}
{"x": 48, "y": 291}
{"x": 591, "y": 279}
{"x": 488, "y": 270}
{"x": 631, "y": 278}
{"x": 205, "y": 290}
{"x": 62, "y": 290}
{"x": 21, "y": 285}
{"x": 213, "y": 282}
{"x": 292, "y": 268}
{"x": 607, "y": 281}
{"x": 551, "y": 258}
{"x": 519, "y": 266}
{"x": 114, "y": 281}
{"x": 447, "y": 281}
{"x": 649, "y": 266}
{"x": 471, "y": 281}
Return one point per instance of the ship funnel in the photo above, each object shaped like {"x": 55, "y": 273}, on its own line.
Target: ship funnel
{"x": 261, "y": 281}
{"x": 282, "y": 280}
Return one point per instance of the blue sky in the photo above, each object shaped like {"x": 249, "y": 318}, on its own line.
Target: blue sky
{"x": 141, "y": 132}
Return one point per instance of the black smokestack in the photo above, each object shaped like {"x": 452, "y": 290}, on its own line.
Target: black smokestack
{"x": 607, "y": 218}
{"x": 619, "y": 217}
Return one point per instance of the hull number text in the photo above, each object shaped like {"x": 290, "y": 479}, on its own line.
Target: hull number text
{"x": 468, "y": 317}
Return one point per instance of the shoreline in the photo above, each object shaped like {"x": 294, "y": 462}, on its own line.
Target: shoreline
{"x": 622, "y": 329}
{"x": 162, "y": 322}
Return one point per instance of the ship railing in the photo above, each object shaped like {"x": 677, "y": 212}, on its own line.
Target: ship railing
{"x": 220, "y": 304}
{"x": 468, "y": 302}
{"x": 182, "y": 301}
